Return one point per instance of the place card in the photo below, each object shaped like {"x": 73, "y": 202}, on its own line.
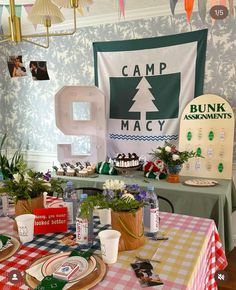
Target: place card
{"x": 50, "y": 220}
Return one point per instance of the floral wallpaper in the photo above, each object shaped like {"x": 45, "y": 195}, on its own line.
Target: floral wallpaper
{"x": 27, "y": 106}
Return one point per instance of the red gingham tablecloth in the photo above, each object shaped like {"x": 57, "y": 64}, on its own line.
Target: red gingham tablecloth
{"x": 189, "y": 259}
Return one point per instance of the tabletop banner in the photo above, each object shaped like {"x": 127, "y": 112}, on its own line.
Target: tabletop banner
{"x": 50, "y": 220}
{"x": 147, "y": 84}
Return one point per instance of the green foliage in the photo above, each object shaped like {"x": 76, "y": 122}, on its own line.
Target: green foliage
{"x": 117, "y": 196}
{"x": 171, "y": 156}
{"x": 30, "y": 184}
{"x": 10, "y": 166}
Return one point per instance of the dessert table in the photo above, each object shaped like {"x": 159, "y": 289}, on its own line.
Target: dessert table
{"x": 216, "y": 202}
{"x": 188, "y": 259}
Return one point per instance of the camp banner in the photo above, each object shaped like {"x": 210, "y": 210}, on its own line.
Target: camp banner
{"x": 147, "y": 84}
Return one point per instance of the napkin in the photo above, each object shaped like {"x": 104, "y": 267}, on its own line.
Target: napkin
{"x": 85, "y": 255}
{"x": 5, "y": 242}
{"x": 50, "y": 282}
{"x": 35, "y": 271}
{"x": 4, "y": 239}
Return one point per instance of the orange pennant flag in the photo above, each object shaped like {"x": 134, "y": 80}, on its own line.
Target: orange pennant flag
{"x": 223, "y": 2}
{"x": 231, "y": 7}
{"x": 213, "y": 3}
{"x": 188, "y": 5}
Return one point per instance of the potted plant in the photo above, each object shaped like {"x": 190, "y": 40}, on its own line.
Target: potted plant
{"x": 126, "y": 203}
{"x": 27, "y": 188}
{"x": 10, "y": 166}
{"x": 173, "y": 159}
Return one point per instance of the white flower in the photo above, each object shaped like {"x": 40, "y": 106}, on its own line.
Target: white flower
{"x": 114, "y": 184}
{"x": 127, "y": 197}
{"x": 17, "y": 177}
{"x": 158, "y": 150}
{"x": 175, "y": 157}
{"x": 168, "y": 149}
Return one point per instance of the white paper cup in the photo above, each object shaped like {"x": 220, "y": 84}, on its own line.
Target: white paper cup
{"x": 109, "y": 240}
{"x": 25, "y": 225}
{"x": 104, "y": 216}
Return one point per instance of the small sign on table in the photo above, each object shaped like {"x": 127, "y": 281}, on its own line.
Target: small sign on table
{"x": 50, "y": 220}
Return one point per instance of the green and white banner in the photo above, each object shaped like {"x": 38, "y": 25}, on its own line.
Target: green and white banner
{"x": 147, "y": 84}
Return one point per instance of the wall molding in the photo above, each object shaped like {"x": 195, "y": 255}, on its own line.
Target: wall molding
{"x": 37, "y": 160}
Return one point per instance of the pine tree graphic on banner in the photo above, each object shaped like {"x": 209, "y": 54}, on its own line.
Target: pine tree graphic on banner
{"x": 143, "y": 100}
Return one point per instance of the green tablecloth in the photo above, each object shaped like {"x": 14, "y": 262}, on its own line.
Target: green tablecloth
{"x": 215, "y": 202}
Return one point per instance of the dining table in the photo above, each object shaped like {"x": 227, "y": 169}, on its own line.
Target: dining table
{"x": 216, "y": 202}
{"x": 188, "y": 259}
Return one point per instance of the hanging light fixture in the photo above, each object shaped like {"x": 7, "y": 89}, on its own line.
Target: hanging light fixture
{"x": 43, "y": 12}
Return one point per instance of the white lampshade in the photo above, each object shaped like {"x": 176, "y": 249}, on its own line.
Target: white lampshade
{"x": 45, "y": 9}
{"x": 72, "y": 3}
{"x": 64, "y": 3}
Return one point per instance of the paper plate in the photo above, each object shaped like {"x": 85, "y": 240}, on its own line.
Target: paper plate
{"x": 53, "y": 263}
{"x": 200, "y": 182}
{"x": 10, "y": 250}
{"x": 88, "y": 282}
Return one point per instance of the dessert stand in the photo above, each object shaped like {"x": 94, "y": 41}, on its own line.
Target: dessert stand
{"x": 127, "y": 171}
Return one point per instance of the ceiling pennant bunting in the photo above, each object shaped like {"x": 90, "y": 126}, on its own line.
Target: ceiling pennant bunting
{"x": 202, "y": 4}
{"x": 213, "y": 3}
{"x": 28, "y": 9}
{"x": 122, "y": 7}
{"x": 1, "y": 7}
{"x": 223, "y": 2}
{"x": 188, "y": 5}
{"x": 172, "y": 6}
{"x": 231, "y": 7}
{"x": 17, "y": 9}
{"x": 1, "y": 30}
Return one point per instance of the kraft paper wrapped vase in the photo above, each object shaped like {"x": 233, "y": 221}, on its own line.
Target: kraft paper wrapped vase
{"x": 130, "y": 225}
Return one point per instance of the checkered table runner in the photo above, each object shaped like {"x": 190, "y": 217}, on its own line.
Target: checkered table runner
{"x": 189, "y": 259}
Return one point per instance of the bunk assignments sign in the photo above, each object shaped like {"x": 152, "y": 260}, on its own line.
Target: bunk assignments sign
{"x": 207, "y": 127}
{"x": 147, "y": 84}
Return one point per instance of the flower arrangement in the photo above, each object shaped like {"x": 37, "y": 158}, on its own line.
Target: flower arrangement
{"x": 118, "y": 196}
{"x": 30, "y": 184}
{"x": 171, "y": 156}
{"x": 121, "y": 197}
